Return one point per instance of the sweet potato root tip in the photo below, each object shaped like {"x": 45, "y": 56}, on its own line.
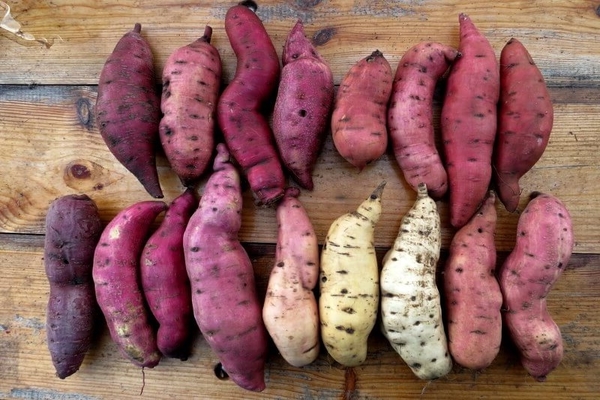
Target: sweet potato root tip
{"x": 250, "y": 4}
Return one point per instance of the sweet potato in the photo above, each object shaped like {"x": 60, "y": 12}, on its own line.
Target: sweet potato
{"x": 349, "y": 282}
{"x": 116, "y": 274}
{"x": 164, "y": 279}
{"x": 191, "y": 85}
{"x": 224, "y": 298}
{"x": 525, "y": 119}
{"x": 303, "y": 106}
{"x": 411, "y": 310}
{"x": 473, "y": 297}
{"x": 468, "y": 122}
{"x": 241, "y": 107}
{"x": 410, "y": 115}
{"x": 290, "y": 311}
{"x": 128, "y": 108}
{"x": 73, "y": 228}
{"x": 542, "y": 251}
{"x": 358, "y": 122}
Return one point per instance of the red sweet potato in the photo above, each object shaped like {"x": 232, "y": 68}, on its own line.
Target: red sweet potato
{"x": 525, "y": 119}
{"x": 473, "y": 297}
{"x": 468, "y": 122}
{"x": 410, "y": 115}
{"x": 358, "y": 122}
{"x": 303, "y": 106}
{"x": 164, "y": 279}
{"x": 191, "y": 85}
{"x": 116, "y": 274}
{"x": 241, "y": 107}
{"x": 128, "y": 108}
{"x": 224, "y": 298}
{"x": 73, "y": 228}
{"x": 542, "y": 251}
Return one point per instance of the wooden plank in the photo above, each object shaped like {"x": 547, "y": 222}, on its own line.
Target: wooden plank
{"x": 27, "y": 372}
{"x": 561, "y": 35}
{"x": 49, "y": 146}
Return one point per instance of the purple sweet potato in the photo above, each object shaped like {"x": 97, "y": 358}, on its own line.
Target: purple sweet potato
{"x": 243, "y": 104}
{"x": 191, "y": 85}
{"x": 128, "y": 108}
{"x": 224, "y": 298}
{"x": 303, "y": 106}
{"x": 116, "y": 275}
{"x": 525, "y": 119}
{"x": 73, "y": 228}
{"x": 468, "y": 122}
{"x": 164, "y": 278}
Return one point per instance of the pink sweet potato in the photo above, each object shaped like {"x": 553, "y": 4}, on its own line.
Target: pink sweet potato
{"x": 410, "y": 115}
{"x": 290, "y": 311}
{"x": 358, "y": 122}
{"x": 73, "y": 228}
{"x": 542, "y": 251}
{"x": 164, "y": 278}
{"x": 468, "y": 122}
{"x": 473, "y": 297}
{"x": 241, "y": 107}
{"x": 525, "y": 119}
{"x": 128, "y": 108}
{"x": 224, "y": 298}
{"x": 191, "y": 85}
{"x": 116, "y": 274}
{"x": 303, "y": 106}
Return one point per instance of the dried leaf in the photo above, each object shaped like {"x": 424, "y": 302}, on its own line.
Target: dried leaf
{"x": 11, "y": 25}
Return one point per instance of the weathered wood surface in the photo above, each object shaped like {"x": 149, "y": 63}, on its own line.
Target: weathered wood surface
{"x": 49, "y": 146}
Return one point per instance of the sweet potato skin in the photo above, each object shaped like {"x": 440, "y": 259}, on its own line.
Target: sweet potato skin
{"x": 303, "y": 106}
{"x": 473, "y": 296}
{"x": 542, "y": 251}
{"x": 224, "y": 298}
{"x": 525, "y": 119}
{"x": 358, "y": 121}
{"x": 117, "y": 282}
{"x": 191, "y": 85}
{"x": 241, "y": 105}
{"x": 128, "y": 108}
{"x": 164, "y": 279}
{"x": 468, "y": 122}
{"x": 410, "y": 115}
{"x": 73, "y": 228}
{"x": 290, "y": 310}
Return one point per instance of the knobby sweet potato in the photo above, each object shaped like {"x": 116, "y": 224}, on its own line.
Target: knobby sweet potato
{"x": 128, "y": 108}
{"x": 468, "y": 122}
{"x": 224, "y": 298}
{"x": 73, "y": 228}
{"x": 303, "y": 106}
{"x": 191, "y": 85}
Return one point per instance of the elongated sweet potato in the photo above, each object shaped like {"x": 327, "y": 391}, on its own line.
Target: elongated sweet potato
{"x": 290, "y": 311}
{"x": 224, "y": 298}
{"x": 468, "y": 122}
{"x": 473, "y": 297}
{"x": 358, "y": 122}
{"x": 241, "y": 107}
{"x": 128, "y": 108}
{"x": 303, "y": 106}
{"x": 164, "y": 279}
{"x": 525, "y": 119}
{"x": 191, "y": 85}
{"x": 73, "y": 228}
{"x": 410, "y": 115}
{"x": 117, "y": 282}
{"x": 542, "y": 251}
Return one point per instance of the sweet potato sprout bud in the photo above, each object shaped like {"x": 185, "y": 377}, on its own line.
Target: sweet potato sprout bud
{"x": 11, "y": 25}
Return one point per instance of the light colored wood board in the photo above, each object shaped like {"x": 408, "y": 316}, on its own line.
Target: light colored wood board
{"x": 562, "y": 36}
{"x": 27, "y": 371}
{"x": 49, "y": 146}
